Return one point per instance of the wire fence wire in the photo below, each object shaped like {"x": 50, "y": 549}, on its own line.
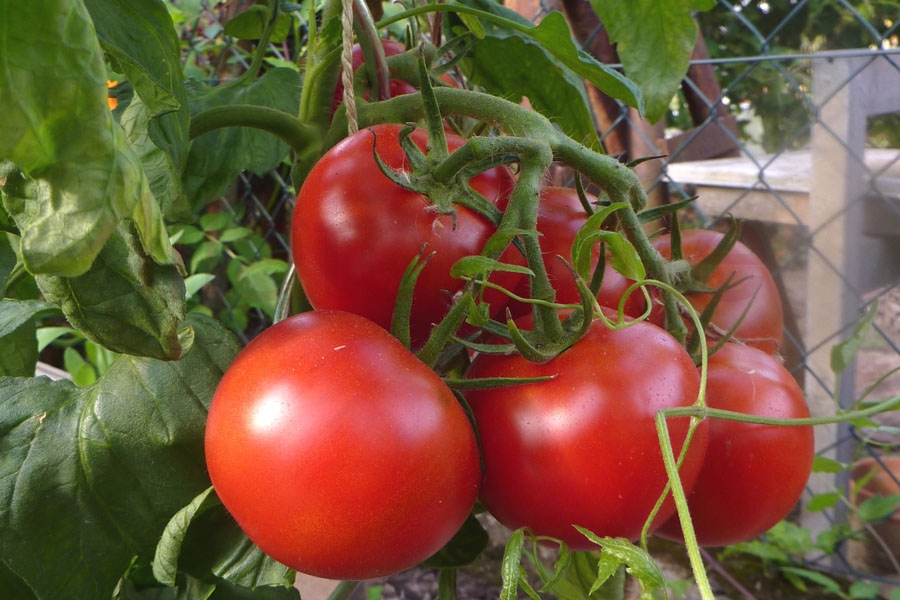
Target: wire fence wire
{"x": 789, "y": 119}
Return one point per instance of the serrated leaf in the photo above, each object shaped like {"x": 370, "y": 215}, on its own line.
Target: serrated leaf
{"x": 654, "y": 40}
{"x": 126, "y": 302}
{"x": 79, "y": 177}
{"x": 640, "y": 564}
{"x": 216, "y": 158}
{"x": 90, "y": 476}
{"x": 517, "y": 58}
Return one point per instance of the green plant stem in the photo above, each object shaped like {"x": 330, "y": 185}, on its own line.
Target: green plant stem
{"x": 687, "y": 527}
{"x": 343, "y": 590}
{"x": 374, "y": 58}
{"x": 263, "y": 46}
{"x": 284, "y": 125}
{"x": 447, "y": 584}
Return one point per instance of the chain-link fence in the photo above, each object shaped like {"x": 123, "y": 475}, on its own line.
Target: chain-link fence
{"x": 789, "y": 119}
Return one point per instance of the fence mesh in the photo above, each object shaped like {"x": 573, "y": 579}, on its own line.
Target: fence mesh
{"x": 789, "y": 119}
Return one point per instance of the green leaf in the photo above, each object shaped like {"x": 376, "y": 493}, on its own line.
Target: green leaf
{"x": 823, "y": 464}
{"x": 842, "y": 354}
{"x": 878, "y": 507}
{"x": 215, "y": 159}
{"x": 153, "y": 68}
{"x": 463, "y": 548}
{"x": 165, "y": 561}
{"x": 20, "y": 355}
{"x": 18, "y": 336}
{"x": 126, "y": 302}
{"x": 194, "y": 283}
{"x": 821, "y": 502}
{"x": 864, "y": 589}
{"x": 13, "y": 587}
{"x": 830, "y": 585}
{"x": 79, "y": 176}
{"x": 654, "y": 40}
{"x": 517, "y": 58}
{"x": 250, "y": 24}
{"x": 89, "y": 477}
{"x": 8, "y": 260}
{"x": 640, "y": 564}
{"x": 162, "y": 173}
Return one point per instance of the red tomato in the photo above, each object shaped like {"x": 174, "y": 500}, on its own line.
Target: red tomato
{"x": 398, "y": 86}
{"x": 582, "y": 448}
{"x": 763, "y": 324}
{"x": 337, "y": 451}
{"x": 355, "y": 231}
{"x": 753, "y": 475}
{"x": 560, "y": 216}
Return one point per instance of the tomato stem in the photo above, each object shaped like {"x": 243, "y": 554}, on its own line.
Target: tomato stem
{"x": 289, "y": 128}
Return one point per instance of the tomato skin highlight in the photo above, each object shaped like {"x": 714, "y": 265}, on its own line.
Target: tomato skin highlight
{"x": 582, "y": 448}
{"x": 337, "y": 451}
{"x": 753, "y": 475}
{"x": 762, "y": 326}
{"x": 354, "y": 232}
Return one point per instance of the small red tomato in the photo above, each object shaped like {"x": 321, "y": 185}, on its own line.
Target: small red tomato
{"x": 753, "y": 287}
{"x": 752, "y": 475}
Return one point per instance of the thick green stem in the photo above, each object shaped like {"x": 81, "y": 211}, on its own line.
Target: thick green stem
{"x": 284, "y": 125}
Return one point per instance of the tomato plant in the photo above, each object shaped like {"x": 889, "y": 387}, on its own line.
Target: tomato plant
{"x": 347, "y": 477}
{"x": 560, "y": 216}
{"x": 582, "y": 448}
{"x": 355, "y": 231}
{"x": 751, "y": 303}
{"x": 753, "y": 474}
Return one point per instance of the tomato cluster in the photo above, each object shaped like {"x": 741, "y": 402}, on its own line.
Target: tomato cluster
{"x": 341, "y": 454}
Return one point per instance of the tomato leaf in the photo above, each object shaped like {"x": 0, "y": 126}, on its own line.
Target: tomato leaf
{"x": 215, "y": 159}
{"x": 18, "y": 336}
{"x": 878, "y": 507}
{"x": 126, "y": 302}
{"x": 518, "y": 59}
{"x": 90, "y": 476}
{"x": 654, "y": 40}
{"x": 842, "y": 354}
{"x": 639, "y": 564}
{"x": 153, "y": 68}
{"x": 165, "y": 561}
{"x": 82, "y": 176}
{"x": 250, "y": 24}
{"x": 821, "y": 502}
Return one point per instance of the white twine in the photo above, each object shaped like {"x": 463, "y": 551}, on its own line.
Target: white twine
{"x": 347, "y": 65}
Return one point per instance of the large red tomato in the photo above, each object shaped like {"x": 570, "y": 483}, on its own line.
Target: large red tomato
{"x": 753, "y": 475}
{"x": 582, "y": 448}
{"x": 560, "y": 216}
{"x": 355, "y": 231}
{"x": 753, "y": 286}
{"x": 337, "y": 451}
